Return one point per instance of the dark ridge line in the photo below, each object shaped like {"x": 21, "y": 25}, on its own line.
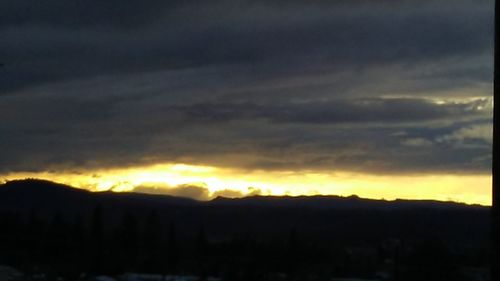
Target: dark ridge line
{"x": 250, "y": 200}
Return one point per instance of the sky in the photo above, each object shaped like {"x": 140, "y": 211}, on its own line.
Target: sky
{"x": 382, "y": 98}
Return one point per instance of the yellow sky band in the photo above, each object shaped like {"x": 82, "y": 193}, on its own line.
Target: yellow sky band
{"x": 163, "y": 178}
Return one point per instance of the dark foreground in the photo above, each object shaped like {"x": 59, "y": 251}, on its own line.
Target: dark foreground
{"x": 54, "y": 232}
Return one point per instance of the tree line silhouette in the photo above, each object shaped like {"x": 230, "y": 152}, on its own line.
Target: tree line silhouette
{"x": 64, "y": 245}
{"x": 71, "y": 246}
{"x": 60, "y": 231}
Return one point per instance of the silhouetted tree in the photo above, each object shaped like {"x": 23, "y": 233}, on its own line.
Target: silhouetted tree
{"x": 152, "y": 243}
{"x": 78, "y": 243}
{"x": 292, "y": 252}
{"x": 172, "y": 249}
{"x": 202, "y": 251}
{"x": 33, "y": 234}
{"x": 432, "y": 260}
{"x": 9, "y": 238}
{"x": 127, "y": 243}
{"x": 56, "y": 245}
{"x": 397, "y": 260}
{"x": 57, "y": 236}
{"x": 201, "y": 242}
{"x": 96, "y": 243}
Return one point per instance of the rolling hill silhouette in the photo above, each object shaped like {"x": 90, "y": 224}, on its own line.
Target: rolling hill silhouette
{"x": 320, "y": 215}
{"x": 261, "y": 229}
{"x": 36, "y": 193}
{"x": 47, "y": 197}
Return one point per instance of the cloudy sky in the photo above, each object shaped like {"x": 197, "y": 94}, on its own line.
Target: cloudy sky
{"x": 274, "y": 97}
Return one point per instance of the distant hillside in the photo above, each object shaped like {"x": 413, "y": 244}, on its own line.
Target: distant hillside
{"x": 317, "y": 216}
{"x": 35, "y": 193}
{"x": 58, "y": 226}
{"x": 47, "y": 197}
{"x": 337, "y": 202}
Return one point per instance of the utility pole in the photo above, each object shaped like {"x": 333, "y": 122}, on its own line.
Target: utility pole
{"x": 495, "y": 262}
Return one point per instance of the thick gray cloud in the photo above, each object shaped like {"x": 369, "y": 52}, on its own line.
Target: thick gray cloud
{"x": 373, "y": 86}
{"x": 376, "y": 110}
{"x": 60, "y": 39}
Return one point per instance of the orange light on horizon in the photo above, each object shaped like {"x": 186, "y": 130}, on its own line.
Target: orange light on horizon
{"x": 470, "y": 189}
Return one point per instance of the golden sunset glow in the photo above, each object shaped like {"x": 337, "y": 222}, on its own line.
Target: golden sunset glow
{"x": 162, "y": 178}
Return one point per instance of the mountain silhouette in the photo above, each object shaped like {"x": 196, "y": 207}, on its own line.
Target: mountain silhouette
{"x": 261, "y": 213}
{"x": 281, "y": 231}
{"x": 47, "y": 197}
{"x": 18, "y": 195}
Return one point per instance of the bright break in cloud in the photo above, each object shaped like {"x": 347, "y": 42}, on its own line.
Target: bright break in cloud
{"x": 387, "y": 89}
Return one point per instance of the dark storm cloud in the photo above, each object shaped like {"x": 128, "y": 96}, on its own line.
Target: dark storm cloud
{"x": 250, "y": 84}
{"x": 66, "y": 39}
{"x": 395, "y": 110}
{"x": 346, "y": 134}
{"x": 80, "y": 13}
